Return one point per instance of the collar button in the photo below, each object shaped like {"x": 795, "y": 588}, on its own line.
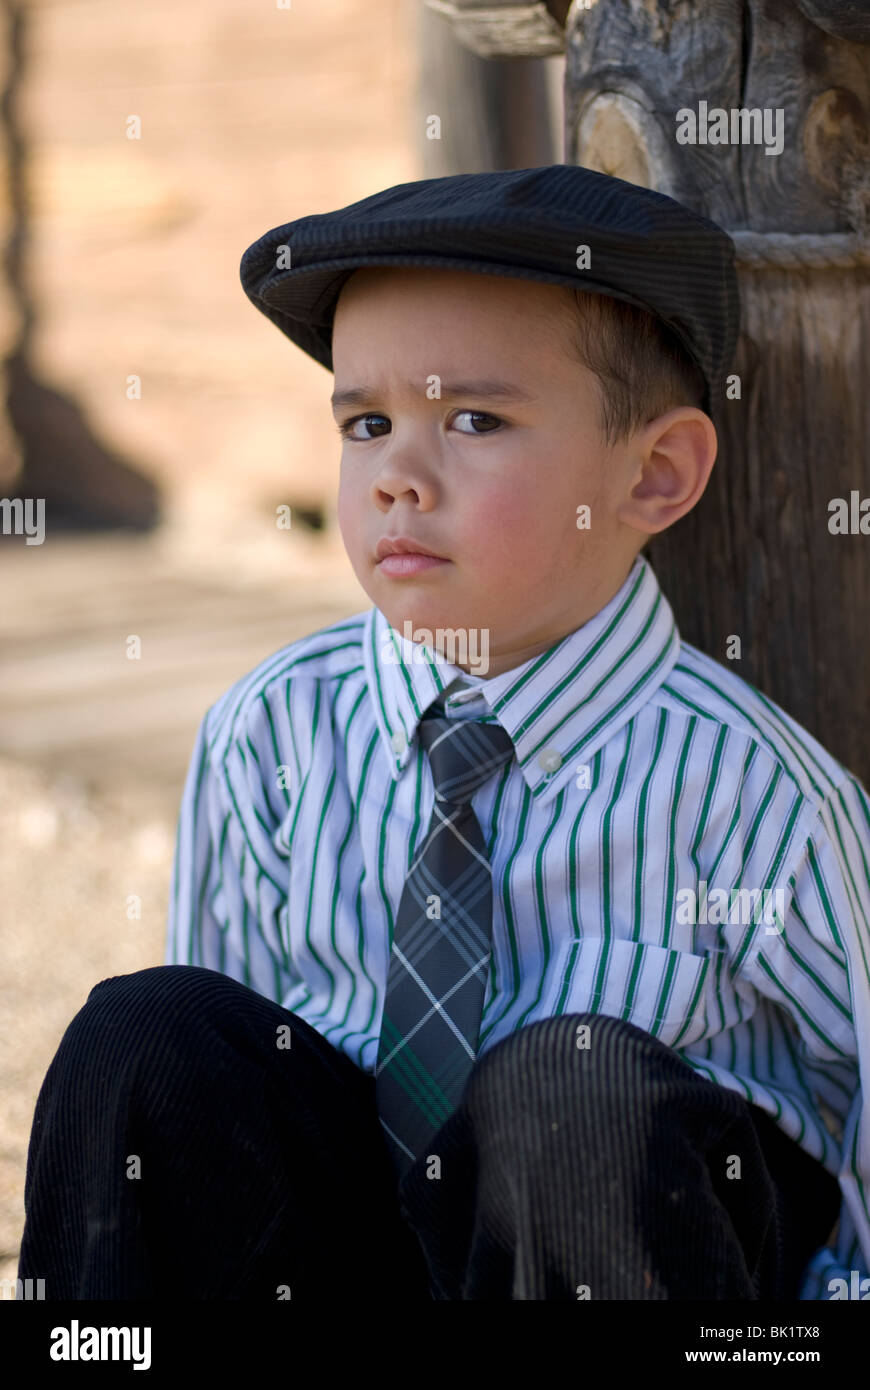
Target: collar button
{"x": 549, "y": 760}
{"x": 399, "y": 741}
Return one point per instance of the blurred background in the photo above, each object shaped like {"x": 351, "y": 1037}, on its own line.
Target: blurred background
{"x": 164, "y": 421}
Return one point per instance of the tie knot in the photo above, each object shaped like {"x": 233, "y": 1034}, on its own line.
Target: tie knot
{"x": 463, "y": 754}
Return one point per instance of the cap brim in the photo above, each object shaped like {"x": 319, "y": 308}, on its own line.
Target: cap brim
{"x": 301, "y": 301}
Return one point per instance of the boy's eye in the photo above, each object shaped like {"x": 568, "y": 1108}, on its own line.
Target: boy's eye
{"x": 478, "y": 415}
{"x": 346, "y": 428}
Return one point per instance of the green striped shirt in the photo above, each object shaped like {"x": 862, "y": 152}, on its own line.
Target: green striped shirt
{"x": 668, "y": 847}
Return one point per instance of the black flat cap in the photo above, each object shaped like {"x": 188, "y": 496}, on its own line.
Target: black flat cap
{"x": 645, "y": 248}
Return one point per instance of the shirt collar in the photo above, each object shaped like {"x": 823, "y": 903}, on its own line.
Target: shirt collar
{"x": 560, "y": 707}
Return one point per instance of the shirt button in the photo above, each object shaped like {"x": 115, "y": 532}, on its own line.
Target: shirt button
{"x": 399, "y": 741}
{"x": 549, "y": 760}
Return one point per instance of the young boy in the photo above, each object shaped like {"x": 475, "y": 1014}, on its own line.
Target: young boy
{"x": 517, "y": 949}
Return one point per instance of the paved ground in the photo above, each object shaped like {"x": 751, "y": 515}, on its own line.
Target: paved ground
{"x": 93, "y": 752}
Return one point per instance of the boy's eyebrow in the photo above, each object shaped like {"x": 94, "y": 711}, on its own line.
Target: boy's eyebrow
{"x": 495, "y": 390}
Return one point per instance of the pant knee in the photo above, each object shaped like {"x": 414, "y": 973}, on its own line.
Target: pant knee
{"x": 588, "y": 1061}
{"x": 127, "y": 1016}
{"x": 167, "y": 992}
{"x": 157, "y": 981}
{"x": 596, "y": 1040}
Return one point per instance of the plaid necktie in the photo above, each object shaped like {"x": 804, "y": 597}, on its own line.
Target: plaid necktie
{"x": 442, "y": 945}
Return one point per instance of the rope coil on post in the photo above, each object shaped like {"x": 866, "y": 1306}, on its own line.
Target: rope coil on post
{"x": 802, "y": 251}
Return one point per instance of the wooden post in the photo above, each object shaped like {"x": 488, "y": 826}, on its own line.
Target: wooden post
{"x": 493, "y": 113}
{"x": 769, "y": 555}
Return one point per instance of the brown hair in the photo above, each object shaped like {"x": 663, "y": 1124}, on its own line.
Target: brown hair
{"x": 642, "y": 367}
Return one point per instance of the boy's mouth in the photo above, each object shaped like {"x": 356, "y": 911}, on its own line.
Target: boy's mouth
{"x": 403, "y": 555}
{"x": 404, "y": 545}
{"x": 409, "y": 563}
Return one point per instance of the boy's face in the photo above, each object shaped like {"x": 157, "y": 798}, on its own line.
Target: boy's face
{"x": 490, "y": 483}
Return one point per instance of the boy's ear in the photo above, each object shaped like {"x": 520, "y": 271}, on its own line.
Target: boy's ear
{"x": 668, "y": 465}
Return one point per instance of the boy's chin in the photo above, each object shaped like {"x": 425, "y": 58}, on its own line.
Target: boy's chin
{"x": 418, "y": 617}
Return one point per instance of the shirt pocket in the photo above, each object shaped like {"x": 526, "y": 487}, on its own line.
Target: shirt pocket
{"x": 662, "y": 990}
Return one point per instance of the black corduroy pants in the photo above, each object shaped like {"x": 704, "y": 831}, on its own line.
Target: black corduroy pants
{"x": 179, "y": 1152}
